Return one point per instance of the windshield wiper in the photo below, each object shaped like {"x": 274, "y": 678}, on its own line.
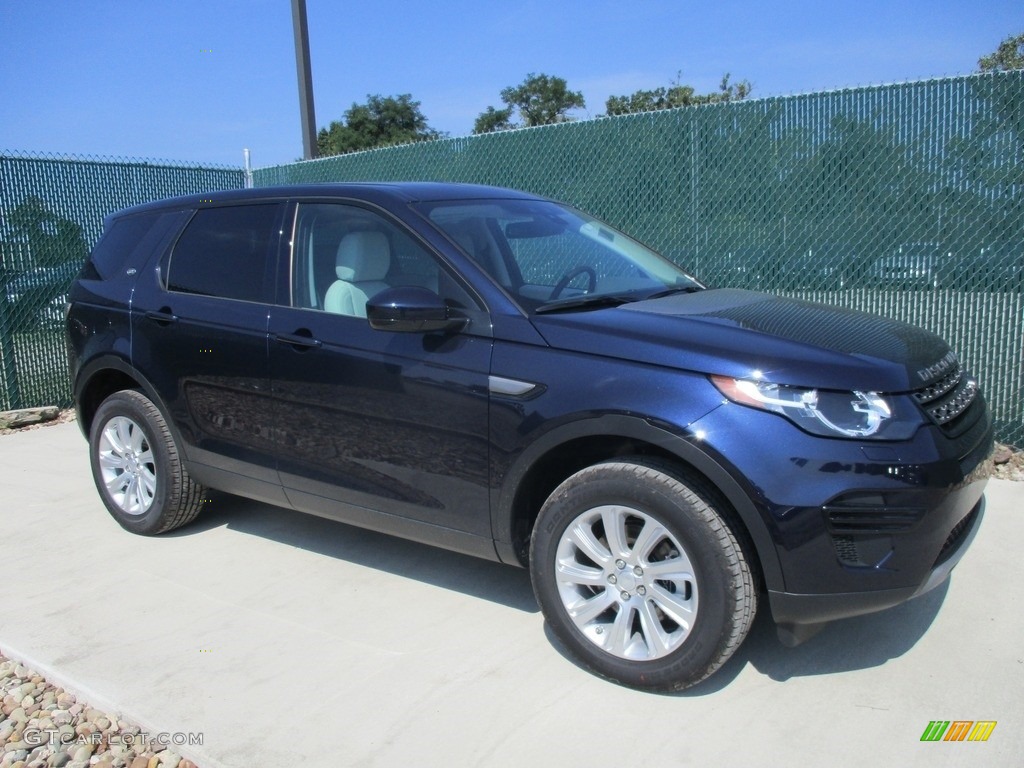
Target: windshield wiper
{"x": 587, "y": 302}
{"x": 673, "y": 290}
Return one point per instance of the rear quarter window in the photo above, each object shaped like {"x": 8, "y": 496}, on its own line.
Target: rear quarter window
{"x": 128, "y": 240}
{"x": 226, "y": 252}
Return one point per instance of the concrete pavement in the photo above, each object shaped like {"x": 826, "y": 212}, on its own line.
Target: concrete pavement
{"x": 290, "y": 640}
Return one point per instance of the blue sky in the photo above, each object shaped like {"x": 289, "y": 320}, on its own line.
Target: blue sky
{"x": 198, "y": 81}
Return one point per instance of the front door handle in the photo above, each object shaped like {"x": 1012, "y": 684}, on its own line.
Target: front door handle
{"x": 302, "y": 339}
{"x": 163, "y": 316}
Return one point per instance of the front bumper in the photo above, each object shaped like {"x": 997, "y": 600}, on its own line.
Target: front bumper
{"x": 855, "y": 526}
{"x": 800, "y": 616}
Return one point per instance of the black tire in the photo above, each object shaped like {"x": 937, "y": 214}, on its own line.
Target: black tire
{"x": 637, "y": 640}
{"x": 137, "y": 469}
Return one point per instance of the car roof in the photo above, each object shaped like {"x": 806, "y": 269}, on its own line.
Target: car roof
{"x": 376, "y": 192}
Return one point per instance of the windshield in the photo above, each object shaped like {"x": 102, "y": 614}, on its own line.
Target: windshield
{"x": 548, "y": 256}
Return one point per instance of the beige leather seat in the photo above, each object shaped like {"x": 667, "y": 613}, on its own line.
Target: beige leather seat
{"x": 361, "y": 265}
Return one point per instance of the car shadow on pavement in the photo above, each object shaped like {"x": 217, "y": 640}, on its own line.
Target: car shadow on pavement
{"x": 847, "y": 645}
{"x": 471, "y": 576}
{"x": 843, "y": 646}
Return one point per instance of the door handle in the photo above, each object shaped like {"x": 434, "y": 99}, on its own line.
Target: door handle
{"x": 163, "y": 316}
{"x": 302, "y": 339}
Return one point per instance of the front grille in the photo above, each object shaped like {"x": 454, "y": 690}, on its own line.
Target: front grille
{"x": 940, "y": 387}
{"x": 947, "y": 398}
{"x": 949, "y": 408}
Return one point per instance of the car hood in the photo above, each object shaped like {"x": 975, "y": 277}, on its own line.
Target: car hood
{"x": 735, "y": 332}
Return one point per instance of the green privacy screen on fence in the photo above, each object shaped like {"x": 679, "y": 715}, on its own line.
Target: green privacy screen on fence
{"x": 904, "y": 200}
{"x": 51, "y": 214}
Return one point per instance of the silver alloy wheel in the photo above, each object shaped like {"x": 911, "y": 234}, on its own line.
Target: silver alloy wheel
{"x": 626, "y": 582}
{"x": 127, "y": 465}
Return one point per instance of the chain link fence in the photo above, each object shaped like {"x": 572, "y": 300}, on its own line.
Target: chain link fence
{"x": 51, "y": 214}
{"x": 903, "y": 200}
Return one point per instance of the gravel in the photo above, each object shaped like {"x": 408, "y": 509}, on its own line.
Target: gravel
{"x": 68, "y": 414}
{"x": 43, "y": 726}
{"x": 1009, "y": 463}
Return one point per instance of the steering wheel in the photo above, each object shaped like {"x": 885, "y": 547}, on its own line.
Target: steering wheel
{"x": 568, "y": 277}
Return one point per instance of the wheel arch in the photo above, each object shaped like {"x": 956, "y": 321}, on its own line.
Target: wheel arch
{"x": 571, "y": 447}
{"x": 103, "y": 377}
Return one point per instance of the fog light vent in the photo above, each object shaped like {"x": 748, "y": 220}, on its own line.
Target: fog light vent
{"x": 867, "y": 520}
{"x": 846, "y": 549}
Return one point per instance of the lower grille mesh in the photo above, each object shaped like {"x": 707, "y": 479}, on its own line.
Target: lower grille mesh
{"x": 957, "y": 534}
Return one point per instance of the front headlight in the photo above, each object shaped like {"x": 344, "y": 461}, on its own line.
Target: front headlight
{"x": 825, "y": 412}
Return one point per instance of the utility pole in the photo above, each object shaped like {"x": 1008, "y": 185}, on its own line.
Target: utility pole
{"x": 305, "y": 79}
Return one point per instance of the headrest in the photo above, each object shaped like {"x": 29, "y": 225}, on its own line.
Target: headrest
{"x": 363, "y": 256}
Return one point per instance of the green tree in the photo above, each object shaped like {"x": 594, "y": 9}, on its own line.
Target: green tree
{"x": 381, "y": 122}
{"x": 1009, "y": 55}
{"x": 493, "y": 120}
{"x": 539, "y": 100}
{"x": 676, "y": 95}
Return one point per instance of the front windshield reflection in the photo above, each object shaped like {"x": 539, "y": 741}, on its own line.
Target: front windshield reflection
{"x": 548, "y": 256}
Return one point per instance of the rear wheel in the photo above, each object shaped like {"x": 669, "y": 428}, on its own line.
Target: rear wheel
{"x": 137, "y": 469}
{"x": 640, "y": 575}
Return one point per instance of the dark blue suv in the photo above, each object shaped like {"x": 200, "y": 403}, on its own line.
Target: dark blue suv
{"x": 502, "y": 375}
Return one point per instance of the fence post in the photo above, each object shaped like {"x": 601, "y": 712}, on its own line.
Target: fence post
{"x": 248, "y": 168}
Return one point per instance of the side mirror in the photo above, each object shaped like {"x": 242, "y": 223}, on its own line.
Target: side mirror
{"x": 410, "y": 309}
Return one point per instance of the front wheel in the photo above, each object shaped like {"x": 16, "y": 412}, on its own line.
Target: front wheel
{"x": 640, "y": 575}
{"x": 137, "y": 469}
